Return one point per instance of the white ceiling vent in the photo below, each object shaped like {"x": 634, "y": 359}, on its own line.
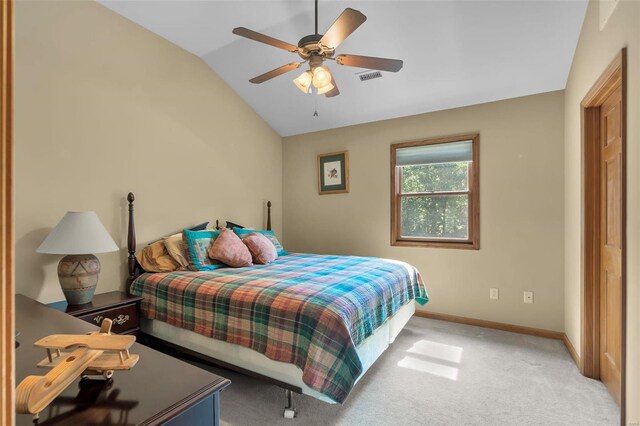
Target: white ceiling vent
{"x": 369, "y": 75}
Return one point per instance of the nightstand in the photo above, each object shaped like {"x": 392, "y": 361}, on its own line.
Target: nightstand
{"x": 122, "y": 309}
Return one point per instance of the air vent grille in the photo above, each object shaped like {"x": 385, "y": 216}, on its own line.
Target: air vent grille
{"x": 370, "y": 75}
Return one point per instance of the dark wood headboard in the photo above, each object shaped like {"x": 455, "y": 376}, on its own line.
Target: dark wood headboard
{"x": 132, "y": 264}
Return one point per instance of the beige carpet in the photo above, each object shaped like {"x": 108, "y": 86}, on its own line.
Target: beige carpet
{"x": 440, "y": 373}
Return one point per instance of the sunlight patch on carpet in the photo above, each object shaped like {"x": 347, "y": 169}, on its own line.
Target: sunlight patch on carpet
{"x": 429, "y": 367}
{"x": 437, "y": 350}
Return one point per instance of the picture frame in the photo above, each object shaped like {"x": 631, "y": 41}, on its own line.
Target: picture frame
{"x": 333, "y": 173}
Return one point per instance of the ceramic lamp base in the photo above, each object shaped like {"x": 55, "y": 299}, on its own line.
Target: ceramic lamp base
{"x": 78, "y": 275}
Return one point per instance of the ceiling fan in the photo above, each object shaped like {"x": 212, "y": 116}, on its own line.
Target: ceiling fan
{"x": 317, "y": 48}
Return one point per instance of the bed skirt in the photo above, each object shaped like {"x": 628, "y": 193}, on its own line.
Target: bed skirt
{"x": 368, "y": 351}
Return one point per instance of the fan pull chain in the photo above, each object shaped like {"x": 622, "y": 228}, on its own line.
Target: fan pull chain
{"x": 315, "y": 101}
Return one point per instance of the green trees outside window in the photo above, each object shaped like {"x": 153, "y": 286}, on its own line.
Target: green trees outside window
{"x": 433, "y": 210}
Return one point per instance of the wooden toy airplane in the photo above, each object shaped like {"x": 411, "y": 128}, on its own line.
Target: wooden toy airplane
{"x": 97, "y": 353}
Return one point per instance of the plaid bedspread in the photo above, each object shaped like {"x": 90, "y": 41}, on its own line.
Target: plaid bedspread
{"x": 304, "y": 309}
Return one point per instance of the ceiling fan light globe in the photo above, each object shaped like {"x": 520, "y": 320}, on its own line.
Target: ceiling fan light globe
{"x": 326, "y": 88}
{"x": 321, "y": 77}
{"x": 303, "y": 82}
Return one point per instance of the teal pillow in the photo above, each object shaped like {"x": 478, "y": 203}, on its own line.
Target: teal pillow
{"x": 196, "y": 244}
{"x": 243, "y": 232}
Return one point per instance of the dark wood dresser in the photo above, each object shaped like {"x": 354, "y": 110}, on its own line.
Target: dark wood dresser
{"x": 158, "y": 390}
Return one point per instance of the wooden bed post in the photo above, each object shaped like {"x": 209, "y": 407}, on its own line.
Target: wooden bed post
{"x": 268, "y": 215}
{"x": 131, "y": 243}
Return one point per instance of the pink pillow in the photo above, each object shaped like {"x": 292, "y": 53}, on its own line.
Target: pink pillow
{"x": 230, "y": 250}
{"x": 262, "y": 249}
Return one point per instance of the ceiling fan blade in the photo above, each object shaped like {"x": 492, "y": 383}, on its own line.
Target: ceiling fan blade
{"x": 370, "y": 62}
{"x": 333, "y": 92}
{"x": 250, "y": 34}
{"x": 347, "y": 22}
{"x": 276, "y": 72}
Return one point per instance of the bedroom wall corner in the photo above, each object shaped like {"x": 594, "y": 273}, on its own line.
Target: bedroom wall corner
{"x": 521, "y": 207}
{"x": 595, "y": 51}
{"x": 104, "y": 107}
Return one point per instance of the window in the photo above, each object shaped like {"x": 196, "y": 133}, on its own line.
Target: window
{"x": 435, "y": 193}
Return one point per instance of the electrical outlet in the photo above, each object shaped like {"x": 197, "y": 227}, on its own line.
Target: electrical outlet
{"x": 528, "y": 297}
{"x": 493, "y": 293}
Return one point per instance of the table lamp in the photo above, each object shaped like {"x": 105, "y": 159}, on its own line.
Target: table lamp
{"x": 78, "y": 235}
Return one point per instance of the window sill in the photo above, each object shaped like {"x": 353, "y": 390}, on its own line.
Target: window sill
{"x": 461, "y": 245}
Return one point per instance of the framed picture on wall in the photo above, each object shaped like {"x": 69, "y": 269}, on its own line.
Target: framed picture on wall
{"x": 333, "y": 173}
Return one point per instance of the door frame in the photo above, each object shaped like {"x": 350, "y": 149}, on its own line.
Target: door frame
{"x": 612, "y": 78}
{"x": 6, "y": 215}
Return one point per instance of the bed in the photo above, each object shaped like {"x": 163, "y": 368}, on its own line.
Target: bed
{"x": 312, "y": 323}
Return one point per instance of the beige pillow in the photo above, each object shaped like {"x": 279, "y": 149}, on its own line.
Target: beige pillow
{"x": 156, "y": 258}
{"x": 174, "y": 246}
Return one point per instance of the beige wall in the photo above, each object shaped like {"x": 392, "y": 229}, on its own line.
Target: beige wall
{"x": 596, "y": 49}
{"x": 521, "y": 207}
{"x": 103, "y": 107}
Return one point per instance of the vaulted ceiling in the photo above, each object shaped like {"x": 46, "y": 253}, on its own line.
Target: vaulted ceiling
{"x": 455, "y": 53}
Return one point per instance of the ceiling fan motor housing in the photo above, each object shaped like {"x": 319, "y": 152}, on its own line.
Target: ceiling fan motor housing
{"x": 315, "y": 61}
{"x": 310, "y": 45}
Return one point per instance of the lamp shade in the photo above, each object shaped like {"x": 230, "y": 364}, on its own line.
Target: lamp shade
{"x": 78, "y": 233}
